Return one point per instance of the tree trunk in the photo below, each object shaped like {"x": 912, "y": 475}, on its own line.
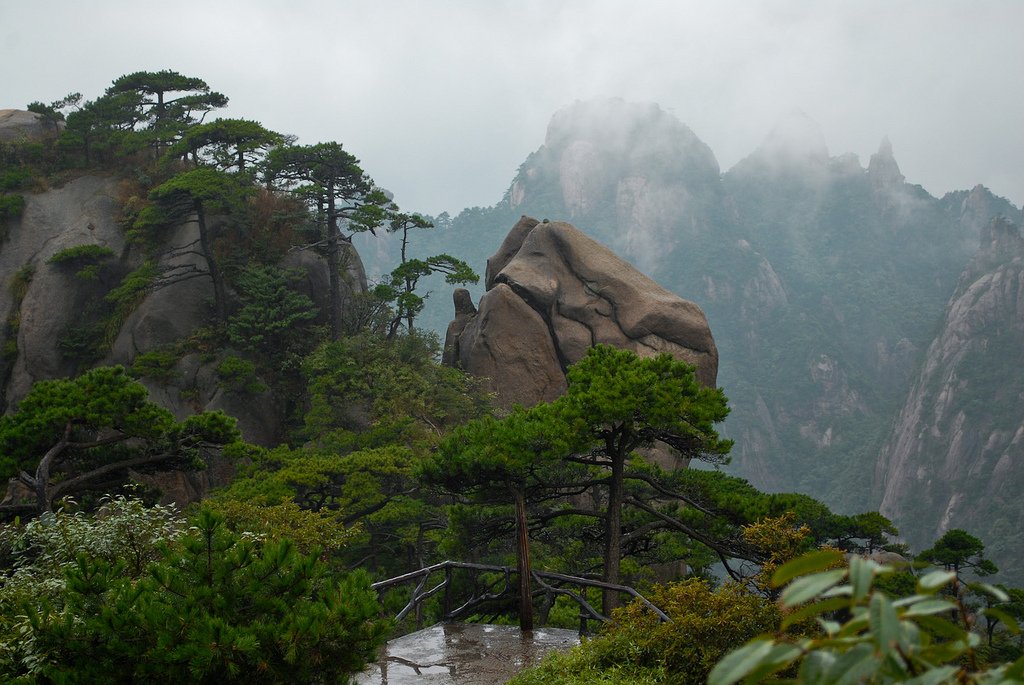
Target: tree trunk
{"x": 523, "y": 566}
{"x": 333, "y": 264}
{"x": 613, "y": 537}
{"x": 42, "y": 479}
{"x": 220, "y": 294}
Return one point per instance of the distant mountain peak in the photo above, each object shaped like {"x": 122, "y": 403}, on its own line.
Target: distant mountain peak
{"x": 1001, "y": 238}
{"x": 629, "y": 130}
{"x": 883, "y": 169}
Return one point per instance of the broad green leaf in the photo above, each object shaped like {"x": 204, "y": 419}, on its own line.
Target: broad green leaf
{"x": 830, "y": 627}
{"x": 853, "y": 666}
{"x": 802, "y": 589}
{"x": 934, "y": 580}
{"x": 940, "y": 626}
{"x": 815, "y": 666}
{"x": 935, "y": 676}
{"x": 780, "y": 657}
{"x": 943, "y": 652}
{"x": 1016, "y": 670}
{"x": 838, "y": 591}
{"x": 862, "y": 573}
{"x": 992, "y": 590}
{"x": 855, "y": 625}
{"x": 928, "y": 607}
{"x": 1009, "y": 621}
{"x": 736, "y": 665}
{"x": 808, "y": 563}
{"x": 815, "y": 609}
{"x": 885, "y": 624}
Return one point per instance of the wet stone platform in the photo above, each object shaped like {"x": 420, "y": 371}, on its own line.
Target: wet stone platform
{"x": 463, "y": 654}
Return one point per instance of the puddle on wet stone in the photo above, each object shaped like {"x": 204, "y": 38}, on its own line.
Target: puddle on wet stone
{"x": 463, "y": 654}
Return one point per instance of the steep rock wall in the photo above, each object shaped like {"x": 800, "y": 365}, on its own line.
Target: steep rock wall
{"x": 955, "y": 457}
{"x": 52, "y": 300}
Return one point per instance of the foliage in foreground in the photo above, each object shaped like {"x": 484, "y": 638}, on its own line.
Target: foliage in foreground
{"x": 216, "y": 606}
{"x": 865, "y": 636}
{"x": 706, "y": 623}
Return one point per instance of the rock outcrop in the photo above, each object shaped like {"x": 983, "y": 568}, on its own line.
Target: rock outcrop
{"x": 553, "y": 292}
{"x": 19, "y": 125}
{"x": 80, "y": 213}
{"x": 955, "y": 457}
{"x": 52, "y": 300}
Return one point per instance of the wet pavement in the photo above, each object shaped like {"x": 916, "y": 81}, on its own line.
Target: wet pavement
{"x": 463, "y": 654}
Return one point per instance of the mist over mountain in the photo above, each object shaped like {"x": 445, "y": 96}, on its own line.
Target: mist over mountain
{"x": 826, "y": 284}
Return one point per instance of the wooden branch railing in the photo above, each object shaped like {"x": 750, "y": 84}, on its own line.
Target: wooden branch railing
{"x": 550, "y": 584}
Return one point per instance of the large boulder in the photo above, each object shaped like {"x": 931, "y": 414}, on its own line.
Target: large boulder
{"x": 19, "y": 125}
{"x": 553, "y": 292}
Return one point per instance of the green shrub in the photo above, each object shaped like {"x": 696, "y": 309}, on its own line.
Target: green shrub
{"x": 866, "y": 637}
{"x": 706, "y": 624}
{"x": 10, "y": 207}
{"x": 20, "y": 280}
{"x": 238, "y": 373}
{"x": 82, "y": 254}
{"x": 214, "y": 608}
{"x": 577, "y": 667}
{"x": 274, "y": 323}
{"x": 82, "y": 343}
{"x": 126, "y": 297}
{"x": 16, "y": 179}
{"x": 156, "y": 364}
{"x": 88, "y": 259}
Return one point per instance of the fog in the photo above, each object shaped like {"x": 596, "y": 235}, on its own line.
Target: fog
{"x": 444, "y": 99}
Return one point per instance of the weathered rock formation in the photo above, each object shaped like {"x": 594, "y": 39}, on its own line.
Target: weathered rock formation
{"x": 955, "y": 457}
{"x": 17, "y": 125}
{"x": 54, "y": 300}
{"x": 553, "y": 292}
{"x": 80, "y": 213}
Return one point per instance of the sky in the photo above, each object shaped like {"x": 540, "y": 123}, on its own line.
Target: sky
{"x": 442, "y": 100}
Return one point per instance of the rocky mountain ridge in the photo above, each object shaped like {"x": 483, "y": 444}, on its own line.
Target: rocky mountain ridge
{"x": 823, "y": 280}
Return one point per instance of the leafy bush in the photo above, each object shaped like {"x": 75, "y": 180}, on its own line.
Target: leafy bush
{"x": 366, "y": 391}
{"x": 16, "y": 179}
{"x": 706, "y": 623}
{"x": 20, "y": 280}
{"x": 82, "y": 343}
{"x": 156, "y": 364}
{"x": 126, "y": 297}
{"x": 10, "y": 207}
{"x": 216, "y": 608}
{"x": 239, "y": 373}
{"x": 82, "y": 254}
{"x": 38, "y": 555}
{"x": 310, "y": 530}
{"x": 866, "y": 636}
{"x": 577, "y": 667}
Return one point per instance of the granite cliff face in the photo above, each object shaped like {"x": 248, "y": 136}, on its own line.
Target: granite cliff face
{"x": 955, "y": 457}
{"x": 52, "y": 301}
{"x": 552, "y": 293}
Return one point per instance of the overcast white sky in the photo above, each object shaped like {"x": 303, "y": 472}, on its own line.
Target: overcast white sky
{"x": 443, "y": 99}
